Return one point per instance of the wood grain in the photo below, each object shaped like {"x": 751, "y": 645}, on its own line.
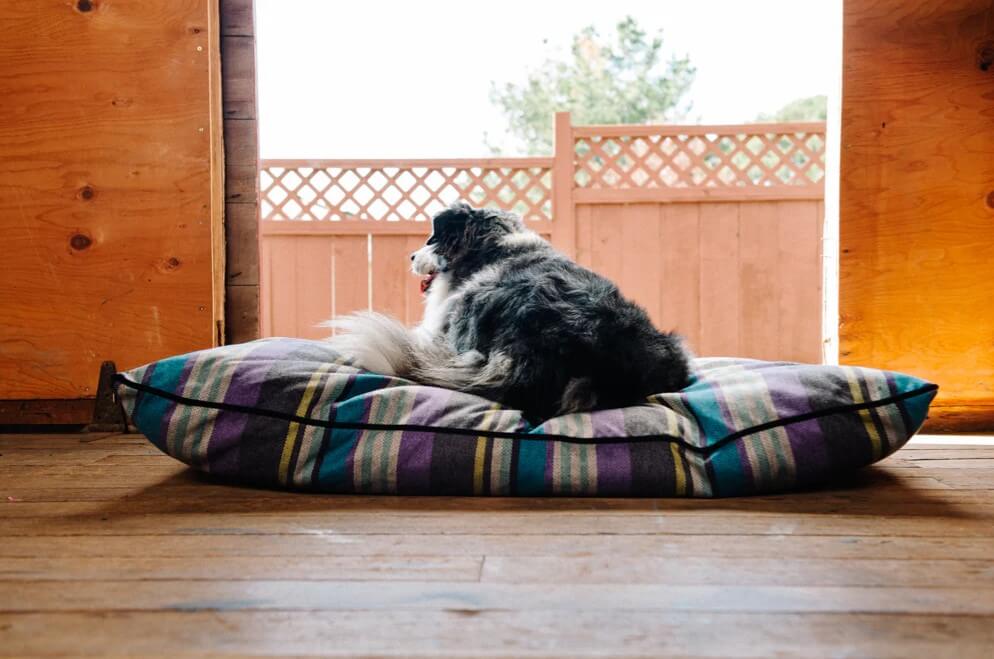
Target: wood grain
{"x": 242, "y": 245}
{"x": 460, "y": 631}
{"x": 106, "y": 152}
{"x": 241, "y": 151}
{"x": 46, "y": 412}
{"x": 237, "y": 18}
{"x": 238, "y": 71}
{"x": 917, "y": 211}
{"x": 395, "y": 289}
{"x": 720, "y": 275}
{"x": 241, "y": 313}
{"x": 680, "y": 297}
{"x": 109, "y": 547}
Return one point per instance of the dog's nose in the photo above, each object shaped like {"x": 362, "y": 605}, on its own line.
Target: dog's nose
{"x": 412, "y": 255}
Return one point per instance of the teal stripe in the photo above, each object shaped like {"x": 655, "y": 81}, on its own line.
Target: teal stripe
{"x": 531, "y": 468}
{"x": 367, "y": 383}
{"x": 335, "y": 473}
{"x": 706, "y": 408}
{"x": 905, "y": 383}
{"x": 730, "y": 476}
{"x": 917, "y": 409}
{"x": 150, "y": 415}
{"x": 726, "y": 461}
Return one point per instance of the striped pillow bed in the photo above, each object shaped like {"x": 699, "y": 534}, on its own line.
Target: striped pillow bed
{"x": 294, "y": 414}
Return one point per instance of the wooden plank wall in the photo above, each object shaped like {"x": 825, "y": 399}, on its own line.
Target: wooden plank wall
{"x": 108, "y": 140}
{"x": 735, "y": 278}
{"x": 241, "y": 179}
{"x": 917, "y": 198}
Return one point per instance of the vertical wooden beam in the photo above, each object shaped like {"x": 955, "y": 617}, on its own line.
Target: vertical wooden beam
{"x": 241, "y": 171}
{"x": 563, "y": 212}
{"x": 217, "y": 210}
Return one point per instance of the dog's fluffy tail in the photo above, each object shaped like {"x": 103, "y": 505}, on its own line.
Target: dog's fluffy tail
{"x": 374, "y": 342}
{"x": 381, "y": 344}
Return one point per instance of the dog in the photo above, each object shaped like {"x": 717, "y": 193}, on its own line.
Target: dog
{"x": 509, "y": 318}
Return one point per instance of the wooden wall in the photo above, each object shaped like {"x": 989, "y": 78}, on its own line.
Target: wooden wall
{"x": 917, "y": 198}
{"x": 109, "y": 157}
{"x": 241, "y": 177}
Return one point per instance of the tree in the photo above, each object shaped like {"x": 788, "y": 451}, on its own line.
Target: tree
{"x": 618, "y": 79}
{"x": 812, "y": 108}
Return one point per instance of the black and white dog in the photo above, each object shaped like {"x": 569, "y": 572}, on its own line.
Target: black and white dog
{"x": 509, "y": 318}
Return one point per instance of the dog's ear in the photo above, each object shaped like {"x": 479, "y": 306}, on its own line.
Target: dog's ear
{"x": 450, "y": 223}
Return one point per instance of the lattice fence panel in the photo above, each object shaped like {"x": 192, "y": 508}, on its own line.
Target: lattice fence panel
{"x": 739, "y": 159}
{"x": 400, "y": 193}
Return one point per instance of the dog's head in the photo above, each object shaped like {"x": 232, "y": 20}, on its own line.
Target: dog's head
{"x": 465, "y": 239}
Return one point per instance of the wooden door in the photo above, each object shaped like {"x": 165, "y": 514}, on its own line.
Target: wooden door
{"x": 917, "y": 198}
{"x": 110, "y": 204}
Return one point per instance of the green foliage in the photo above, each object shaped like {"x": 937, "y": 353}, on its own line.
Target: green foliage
{"x": 812, "y": 108}
{"x": 615, "y": 80}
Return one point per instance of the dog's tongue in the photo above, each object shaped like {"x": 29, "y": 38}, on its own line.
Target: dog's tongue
{"x": 426, "y": 283}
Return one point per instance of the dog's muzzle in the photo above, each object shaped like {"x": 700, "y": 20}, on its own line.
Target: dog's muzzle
{"x": 426, "y": 263}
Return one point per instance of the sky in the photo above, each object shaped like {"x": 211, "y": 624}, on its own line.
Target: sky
{"x": 388, "y": 78}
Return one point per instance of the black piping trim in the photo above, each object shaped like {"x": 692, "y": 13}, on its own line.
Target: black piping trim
{"x": 501, "y": 434}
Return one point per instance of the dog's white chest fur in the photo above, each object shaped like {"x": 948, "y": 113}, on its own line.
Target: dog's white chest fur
{"x": 436, "y": 307}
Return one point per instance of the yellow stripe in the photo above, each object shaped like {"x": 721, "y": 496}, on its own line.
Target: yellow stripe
{"x": 479, "y": 461}
{"x": 294, "y": 428}
{"x": 857, "y": 397}
{"x": 478, "y": 464}
{"x": 681, "y": 479}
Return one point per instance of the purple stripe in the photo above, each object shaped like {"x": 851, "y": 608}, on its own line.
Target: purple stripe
{"x": 790, "y": 397}
{"x": 414, "y": 455}
{"x": 614, "y": 461}
{"x": 246, "y": 385}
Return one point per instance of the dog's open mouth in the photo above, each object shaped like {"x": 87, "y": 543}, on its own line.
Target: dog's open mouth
{"x": 426, "y": 281}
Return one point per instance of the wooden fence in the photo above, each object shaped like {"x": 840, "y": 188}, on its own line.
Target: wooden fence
{"x": 715, "y": 230}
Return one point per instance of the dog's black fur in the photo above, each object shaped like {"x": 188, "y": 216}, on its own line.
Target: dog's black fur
{"x": 569, "y": 341}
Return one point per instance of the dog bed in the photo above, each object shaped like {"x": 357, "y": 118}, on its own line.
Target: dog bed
{"x": 294, "y": 414}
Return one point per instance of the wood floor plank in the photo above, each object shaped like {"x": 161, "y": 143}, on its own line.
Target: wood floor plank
{"x": 883, "y": 491}
{"x": 546, "y": 569}
{"x": 975, "y": 504}
{"x": 461, "y": 632}
{"x": 63, "y": 440}
{"x": 220, "y": 494}
{"x": 306, "y": 595}
{"x": 624, "y": 547}
{"x": 119, "y": 455}
{"x": 360, "y": 522}
{"x": 773, "y": 571}
{"x": 314, "y": 568}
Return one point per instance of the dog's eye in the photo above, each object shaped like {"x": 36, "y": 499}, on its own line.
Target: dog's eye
{"x": 431, "y": 240}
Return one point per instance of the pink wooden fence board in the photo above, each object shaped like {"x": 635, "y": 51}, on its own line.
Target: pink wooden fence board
{"x": 680, "y": 295}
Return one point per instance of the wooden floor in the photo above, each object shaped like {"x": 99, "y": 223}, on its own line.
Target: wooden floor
{"x": 108, "y": 547}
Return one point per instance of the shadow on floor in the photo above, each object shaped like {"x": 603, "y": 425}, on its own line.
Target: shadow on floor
{"x": 872, "y": 491}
